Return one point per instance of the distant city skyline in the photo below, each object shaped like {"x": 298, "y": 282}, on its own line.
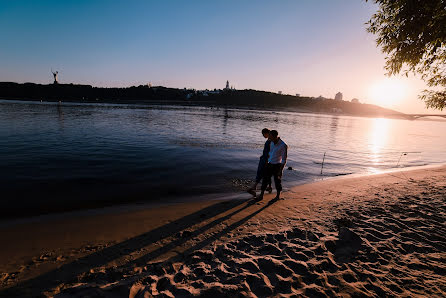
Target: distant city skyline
{"x": 311, "y": 48}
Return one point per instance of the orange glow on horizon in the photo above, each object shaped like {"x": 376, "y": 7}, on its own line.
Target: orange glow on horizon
{"x": 388, "y": 92}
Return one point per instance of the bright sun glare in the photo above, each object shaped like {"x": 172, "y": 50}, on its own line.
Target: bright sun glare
{"x": 388, "y": 92}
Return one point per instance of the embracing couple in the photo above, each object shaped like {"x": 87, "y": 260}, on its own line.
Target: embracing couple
{"x": 271, "y": 164}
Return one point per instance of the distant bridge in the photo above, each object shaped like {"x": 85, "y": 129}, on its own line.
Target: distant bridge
{"x": 416, "y": 116}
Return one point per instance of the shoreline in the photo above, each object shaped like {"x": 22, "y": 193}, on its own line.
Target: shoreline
{"x": 173, "y": 201}
{"x": 136, "y": 239}
{"x": 214, "y": 104}
{"x": 211, "y": 104}
{"x": 121, "y": 208}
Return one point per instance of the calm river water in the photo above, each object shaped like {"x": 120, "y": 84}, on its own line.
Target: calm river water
{"x": 56, "y": 157}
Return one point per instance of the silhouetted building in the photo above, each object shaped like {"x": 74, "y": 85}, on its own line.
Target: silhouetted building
{"x": 338, "y": 96}
{"x": 280, "y": 92}
{"x": 355, "y": 100}
{"x": 227, "y": 85}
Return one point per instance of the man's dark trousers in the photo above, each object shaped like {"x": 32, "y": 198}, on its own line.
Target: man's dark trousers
{"x": 272, "y": 170}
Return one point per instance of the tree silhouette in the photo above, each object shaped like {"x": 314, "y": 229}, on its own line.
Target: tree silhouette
{"x": 413, "y": 35}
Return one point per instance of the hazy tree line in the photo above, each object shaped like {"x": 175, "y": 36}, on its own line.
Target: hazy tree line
{"x": 225, "y": 98}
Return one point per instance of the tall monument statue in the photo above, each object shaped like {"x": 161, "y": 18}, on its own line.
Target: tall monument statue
{"x": 227, "y": 85}
{"x": 55, "y": 76}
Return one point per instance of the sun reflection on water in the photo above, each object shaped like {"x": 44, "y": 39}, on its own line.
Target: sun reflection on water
{"x": 377, "y": 141}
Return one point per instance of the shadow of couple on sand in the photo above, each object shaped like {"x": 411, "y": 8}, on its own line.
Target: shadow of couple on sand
{"x": 180, "y": 231}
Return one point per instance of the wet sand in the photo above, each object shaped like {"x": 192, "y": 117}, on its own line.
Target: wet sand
{"x": 379, "y": 235}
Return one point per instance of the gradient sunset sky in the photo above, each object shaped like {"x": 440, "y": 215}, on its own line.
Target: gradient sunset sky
{"x": 308, "y": 47}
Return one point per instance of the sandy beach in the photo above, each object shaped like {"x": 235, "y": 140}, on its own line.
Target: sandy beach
{"x": 378, "y": 235}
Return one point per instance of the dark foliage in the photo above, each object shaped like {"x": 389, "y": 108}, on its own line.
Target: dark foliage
{"x": 413, "y": 35}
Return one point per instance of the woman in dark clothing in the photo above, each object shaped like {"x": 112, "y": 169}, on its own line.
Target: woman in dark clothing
{"x": 262, "y": 163}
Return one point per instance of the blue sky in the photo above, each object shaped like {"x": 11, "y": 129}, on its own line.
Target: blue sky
{"x": 308, "y": 47}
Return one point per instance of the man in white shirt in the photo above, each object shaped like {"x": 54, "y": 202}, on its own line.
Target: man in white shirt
{"x": 276, "y": 162}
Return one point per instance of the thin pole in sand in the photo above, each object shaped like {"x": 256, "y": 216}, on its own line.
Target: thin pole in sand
{"x": 402, "y": 153}
{"x": 405, "y": 153}
{"x": 323, "y": 160}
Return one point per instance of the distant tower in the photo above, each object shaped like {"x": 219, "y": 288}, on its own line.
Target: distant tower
{"x": 55, "y": 76}
{"x": 227, "y": 85}
{"x": 338, "y": 96}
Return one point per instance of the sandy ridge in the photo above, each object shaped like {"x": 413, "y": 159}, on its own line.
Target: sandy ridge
{"x": 377, "y": 236}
